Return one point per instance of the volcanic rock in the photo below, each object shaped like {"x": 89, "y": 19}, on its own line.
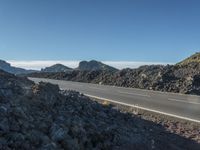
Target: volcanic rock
{"x": 41, "y": 116}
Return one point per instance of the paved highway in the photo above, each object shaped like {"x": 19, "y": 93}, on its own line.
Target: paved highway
{"x": 176, "y": 105}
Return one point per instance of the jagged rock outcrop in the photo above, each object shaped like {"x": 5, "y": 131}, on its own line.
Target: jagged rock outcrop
{"x": 57, "y": 68}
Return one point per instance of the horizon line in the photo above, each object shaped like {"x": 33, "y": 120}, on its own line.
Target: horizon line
{"x": 39, "y": 64}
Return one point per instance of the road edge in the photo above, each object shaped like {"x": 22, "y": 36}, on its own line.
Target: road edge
{"x": 143, "y": 108}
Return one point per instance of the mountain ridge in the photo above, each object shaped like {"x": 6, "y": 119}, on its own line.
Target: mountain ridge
{"x": 14, "y": 70}
{"x": 57, "y": 68}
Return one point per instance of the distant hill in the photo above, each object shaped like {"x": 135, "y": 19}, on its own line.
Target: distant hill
{"x": 57, "y": 68}
{"x": 195, "y": 58}
{"x": 94, "y": 65}
{"x": 14, "y": 70}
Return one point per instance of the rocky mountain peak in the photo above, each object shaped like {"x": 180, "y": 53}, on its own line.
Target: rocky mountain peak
{"x": 94, "y": 65}
{"x": 57, "y": 68}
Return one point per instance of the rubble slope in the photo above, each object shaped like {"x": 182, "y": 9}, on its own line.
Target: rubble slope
{"x": 41, "y": 116}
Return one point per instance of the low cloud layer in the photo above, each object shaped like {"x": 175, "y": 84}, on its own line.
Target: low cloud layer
{"x": 37, "y": 65}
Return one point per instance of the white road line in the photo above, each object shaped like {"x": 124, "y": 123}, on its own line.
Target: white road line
{"x": 183, "y": 101}
{"x": 143, "y": 108}
{"x": 134, "y": 94}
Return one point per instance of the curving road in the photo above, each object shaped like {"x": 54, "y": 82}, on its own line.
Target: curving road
{"x": 177, "y": 105}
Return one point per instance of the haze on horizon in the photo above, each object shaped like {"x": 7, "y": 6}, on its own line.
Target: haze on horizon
{"x": 38, "y": 65}
{"x": 113, "y": 31}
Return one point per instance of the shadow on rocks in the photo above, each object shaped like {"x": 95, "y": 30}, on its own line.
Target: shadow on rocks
{"x": 46, "y": 118}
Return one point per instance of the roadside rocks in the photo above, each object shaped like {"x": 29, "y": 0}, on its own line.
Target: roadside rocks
{"x": 40, "y": 116}
{"x": 169, "y": 78}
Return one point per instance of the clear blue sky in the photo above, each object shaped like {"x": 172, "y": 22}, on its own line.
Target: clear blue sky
{"x": 131, "y": 30}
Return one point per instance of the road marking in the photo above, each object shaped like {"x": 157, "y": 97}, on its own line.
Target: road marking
{"x": 183, "y": 101}
{"x": 134, "y": 94}
{"x": 143, "y": 108}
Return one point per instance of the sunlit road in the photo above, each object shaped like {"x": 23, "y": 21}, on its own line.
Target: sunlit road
{"x": 177, "y": 105}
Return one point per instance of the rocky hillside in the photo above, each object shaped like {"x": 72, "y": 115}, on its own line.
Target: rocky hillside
{"x": 14, "y": 70}
{"x": 94, "y": 65}
{"x": 57, "y": 68}
{"x": 182, "y": 79}
{"x": 40, "y": 116}
{"x": 171, "y": 78}
{"x": 192, "y": 59}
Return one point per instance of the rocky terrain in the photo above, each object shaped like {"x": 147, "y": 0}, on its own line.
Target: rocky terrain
{"x": 183, "y": 77}
{"x": 76, "y": 75}
{"x": 40, "y": 116}
{"x": 195, "y": 58}
{"x": 57, "y": 68}
{"x": 14, "y": 70}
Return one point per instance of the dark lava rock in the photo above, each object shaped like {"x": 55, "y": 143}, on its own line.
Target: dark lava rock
{"x": 40, "y": 116}
{"x": 10, "y": 85}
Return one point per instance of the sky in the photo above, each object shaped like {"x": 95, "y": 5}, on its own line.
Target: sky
{"x": 114, "y": 31}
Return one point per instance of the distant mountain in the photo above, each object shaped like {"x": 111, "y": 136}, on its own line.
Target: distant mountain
{"x": 57, "y": 68}
{"x": 14, "y": 70}
{"x": 94, "y": 65}
{"x": 195, "y": 58}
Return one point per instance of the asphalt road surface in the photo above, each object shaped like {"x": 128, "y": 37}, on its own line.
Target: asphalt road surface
{"x": 176, "y": 105}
